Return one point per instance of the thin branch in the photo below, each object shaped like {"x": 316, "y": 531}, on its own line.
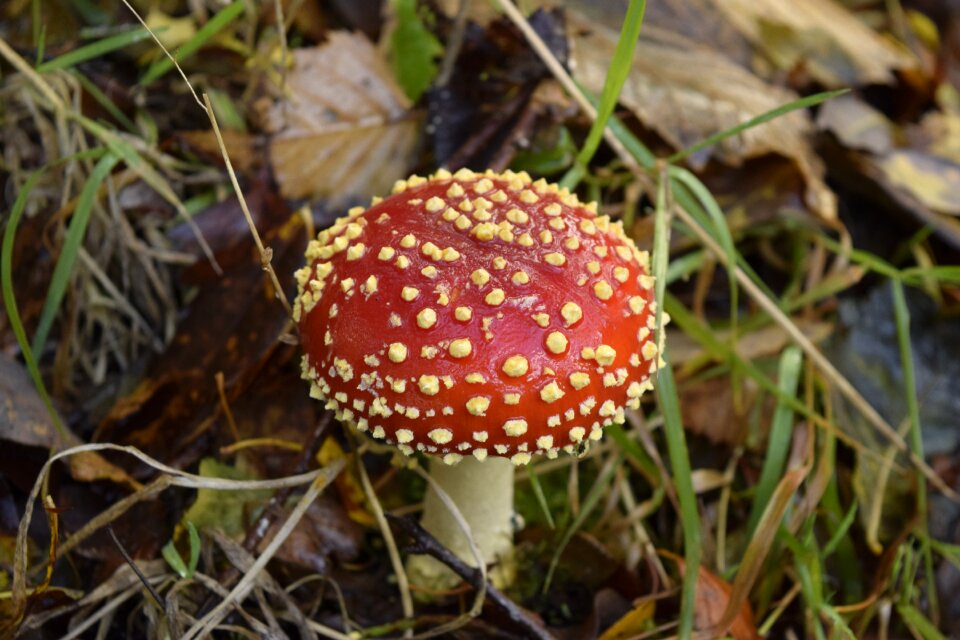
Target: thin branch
{"x": 421, "y": 542}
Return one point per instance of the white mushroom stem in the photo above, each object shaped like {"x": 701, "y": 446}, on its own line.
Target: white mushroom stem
{"x": 483, "y": 493}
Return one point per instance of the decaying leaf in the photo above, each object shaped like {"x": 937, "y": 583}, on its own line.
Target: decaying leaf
{"x": 686, "y": 92}
{"x": 23, "y": 418}
{"x": 930, "y": 179}
{"x": 244, "y": 149}
{"x": 713, "y": 594}
{"x": 229, "y": 511}
{"x": 835, "y": 47}
{"x": 920, "y": 179}
{"x": 856, "y": 124}
{"x": 342, "y": 126}
{"x": 635, "y": 622}
{"x": 232, "y": 325}
{"x": 324, "y": 531}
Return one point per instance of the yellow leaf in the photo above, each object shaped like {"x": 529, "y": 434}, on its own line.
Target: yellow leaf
{"x": 172, "y": 32}
{"x": 347, "y": 483}
{"x": 633, "y": 623}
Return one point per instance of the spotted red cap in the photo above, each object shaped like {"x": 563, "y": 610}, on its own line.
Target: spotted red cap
{"x": 477, "y": 313}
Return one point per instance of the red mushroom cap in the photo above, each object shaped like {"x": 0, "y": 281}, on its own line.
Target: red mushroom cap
{"x": 477, "y": 313}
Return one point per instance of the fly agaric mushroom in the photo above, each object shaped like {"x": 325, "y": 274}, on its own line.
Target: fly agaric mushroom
{"x": 474, "y": 316}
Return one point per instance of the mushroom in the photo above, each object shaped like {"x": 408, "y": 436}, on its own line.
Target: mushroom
{"x": 480, "y": 319}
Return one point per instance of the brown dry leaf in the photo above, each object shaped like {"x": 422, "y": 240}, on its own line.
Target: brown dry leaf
{"x": 829, "y": 41}
{"x": 344, "y": 127}
{"x": 232, "y": 325}
{"x": 713, "y": 594}
{"x": 686, "y": 92}
{"x": 24, "y": 420}
{"x": 23, "y": 417}
{"x": 245, "y": 150}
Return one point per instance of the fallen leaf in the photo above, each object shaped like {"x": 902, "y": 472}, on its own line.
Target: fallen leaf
{"x": 229, "y": 511}
{"x": 23, "y": 416}
{"x": 856, "y": 124}
{"x": 932, "y": 180}
{"x": 24, "y": 420}
{"x": 686, "y": 92}
{"x": 172, "y": 32}
{"x": 232, "y": 325}
{"x": 767, "y": 341}
{"x": 708, "y": 410}
{"x": 713, "y": 594}
{"x": 634, "y": 623}
{"x": 244, "y": 149}
{"x": 348, "y": 484}
{"x": 324, "y": 531}
{"x": 342, "y": 126}
{"x": 828, "y": 40}
{"x": 224, "y": 227}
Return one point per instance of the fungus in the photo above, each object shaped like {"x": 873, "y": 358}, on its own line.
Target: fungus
{"x": 507, "y": 320}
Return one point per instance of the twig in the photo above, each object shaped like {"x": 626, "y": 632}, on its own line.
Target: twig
{"x": 266, "y": 254}
{"x": 133, "y": 567}
{"x": 454, "y": 44}
{"x": 422, "y": 542}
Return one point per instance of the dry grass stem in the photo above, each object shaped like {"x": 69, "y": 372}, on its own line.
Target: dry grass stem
{"x": 403, "y": 584}
{"x": 206, "y": 624}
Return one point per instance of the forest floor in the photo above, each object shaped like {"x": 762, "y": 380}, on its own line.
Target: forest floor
{"x": 793, "y": 167}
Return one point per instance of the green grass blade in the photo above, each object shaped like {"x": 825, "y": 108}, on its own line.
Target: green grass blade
{"x": 801, "y": 103}
{"x": 540, "y": 496}
{"x": 95, "y": 50}
{"x": 841, "y": 532}
{"x": 682, "y": 479}
{"x": 172, "y": 556}
{"x": 918, "y": 623}
{"x": 104, "y": 101}
{"x": 902, "y": 318}
{"x": 630, "y": 142}
{"x": 220, "y": 20}
{"x": 949, "y": 552}
{"x": 590, "y": 501}
{"x": 716, "y": 222}
{"x": 617, "y": 73}
{"x": 10, "y": 301}
{"x": 781, "y": 433}
{"x": 706, "y": 337}
{"x": 946, "y": 274}
{"x": 194, "y": 538}
{"x": 669, "y": 401}
{"x": 721, "y": 231}
{"x": 70, "y": 248}
{"x": 634, "y": 451}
